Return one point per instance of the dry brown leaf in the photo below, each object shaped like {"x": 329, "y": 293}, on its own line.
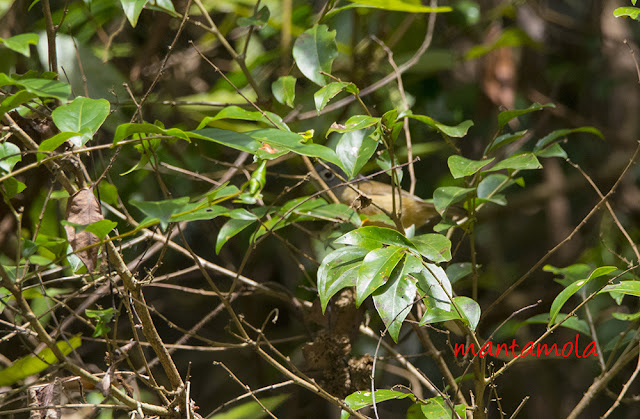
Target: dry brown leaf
{"x": 83, "y": 208}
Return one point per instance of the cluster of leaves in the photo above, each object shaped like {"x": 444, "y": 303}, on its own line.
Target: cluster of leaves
{"x": 395, "y": 268}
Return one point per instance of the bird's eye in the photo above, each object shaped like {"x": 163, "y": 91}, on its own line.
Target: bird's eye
{"x": 327, "y": 175}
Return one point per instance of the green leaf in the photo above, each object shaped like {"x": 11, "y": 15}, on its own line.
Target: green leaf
{"x": 401, "y": 6}
{"x": 447, "y": 195}
{"x": 490, "y": 186}
{"x": 372, "y": 238}
{"x": 437, "y": 408}
{"x": 553, "y": 151}
{"x": 461, "y": 167}
{"x": 259, "y": 19}
{"x": 361, "y": 399}
{"x": 457, "y": 131}
{"x": 434, "y": 283}
{"x": 376, "y": 269}
{"x": 314, "y": 51}
{"x": 506, "y": 116}
{"x": 103, "y": 317}
{"x": 561, "y": 133}
{"x": 284, "y": 90}
{"x": 12, "y": 187}
{"x": 623, "y": 287}
{"x": 328, "y": 92}
{"x": 285, "y": 140}
{"x": 457, "y": 271}
{"x": 253, "y": 409}
{"x": 83, "y": 115}
{"x": 572, "y": 322}
{"x": 9, "y": 156}
{"x": 504, "y": 140}
{"x": 15, "y": 100}
{"x": 232, "y": 139}
{"x": 435, "y": 247}
{"x": 512, "y": 37}
{"x": 20, "y": 43}
{"x": 240, "y": 219}
{"x": 162, "y": 210}
{"x": 570, "y": 290}
{"x": 45, "y": 88}
{"x": 33, "y": 364}
{"x": 54, "y": 142}
{"x": 469, "y": 312}
{"x": 101, "y": 228}
{"x": 236, "y": 112}
{"x": 522, "y": 161}
{"x": 632, "y": 12}
{"x": 354, "y": 149}
{"x": 127, "y": 130}
{"x": 340, "y": 212}
{"x": 132, "y": 10}
{"x": 196, "y": 213}
{"x": 356, "y": 122}
{"x": 338, "y": 270}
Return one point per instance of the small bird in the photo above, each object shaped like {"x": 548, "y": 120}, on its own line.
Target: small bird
{"x": 415, "y": 211}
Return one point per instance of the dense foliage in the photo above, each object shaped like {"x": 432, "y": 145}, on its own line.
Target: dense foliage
{"x": 310, "y": 209}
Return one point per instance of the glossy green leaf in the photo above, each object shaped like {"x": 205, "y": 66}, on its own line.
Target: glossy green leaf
{"x": 284, "y": 90}
{"x": 236, "y": 112}
{"x": 45, "y": 88}
{"x": 103, "y": 317}
{"x": 314, "y": 51}
{"x": 503, "y": 140}
{"x": 401, "y": 6}
{"x": 624, "y": 287}
{"x": 632, "y": 12}
{"x": 434, "y": 283}
{"x": 15, "y": 100}
{"x": 162, "y": 210}
{"x": 33, "y": 364}
{"x": 83, "y": 115}
{"x": 435, "y": 247}
{"x": 461, "y": 166}
{"x": 447, "y": 195}
{"x": 570, "y": 290}
{"x": 132, "y": 10}
{"x": 552, "y": 151}
{"x": 372, "y": 238}
{"x": 523, "y": 161}
{"x": 457, "y": 271}
{"x": 356, "y": 122}
{"x": 394, "y": 300}
{"x": 9, "y": 156}
{"x": 196, "y": 214}
{"x": 294, "y": 142}
{"x": 437, "y": 408}
{"x": 376, "y": 269}
{"x": 361, "y": 399}
{"x": 101, "y": 228}
{"x": 457, "y": 131}
{"x": 561, "y": 133}
{"x": 506, "y": 116}
{"x": 338, "y": 270}
{"x": 54, "y": 142}
{"x": 12, "y": 187}
{"x": 20, "y": 43}
{"x": 328, "y": 92}
{"x": 146, "y": 130}
{"x": 493, "y": 184}
{"x": 572, "y": 322}
{"x": 232, "y": 139}
{"x": 354, "y": 149}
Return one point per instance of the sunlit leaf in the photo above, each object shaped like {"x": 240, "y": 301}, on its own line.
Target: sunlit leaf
{"x": 314, "y": 52}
